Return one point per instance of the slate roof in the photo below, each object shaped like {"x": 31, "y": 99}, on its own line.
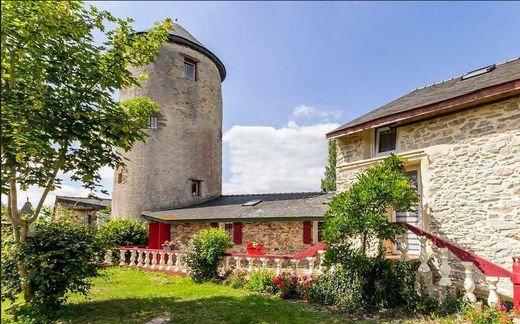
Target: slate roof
{"x": 280, "y": 206}
{"x": 181, "y": 36}
{"x": 437, "y": 92}
{"x": 93, "y": 202}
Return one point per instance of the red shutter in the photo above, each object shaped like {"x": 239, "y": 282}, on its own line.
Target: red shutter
{"x": 153, "y": 235}
{"x": 164, "y": 234}
{"x": 307, "y": 232}
{"x": 237, "y": 233}
{"x": 214, "y": 225}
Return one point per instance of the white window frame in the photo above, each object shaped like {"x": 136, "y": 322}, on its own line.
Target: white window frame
{"x": 153, "y": 122}
{"x": 375, "y": 142}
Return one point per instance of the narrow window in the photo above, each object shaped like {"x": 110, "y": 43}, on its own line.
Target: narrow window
{"x": 228, "y": 227}
{"x": 190, "y": 69}
{"x": 120, "y": 177}
{"x": 386, "y": 139}
{"x": 153, "y": 122}
{"x": 320, "y": 231}
{"x": 195, "y": 188}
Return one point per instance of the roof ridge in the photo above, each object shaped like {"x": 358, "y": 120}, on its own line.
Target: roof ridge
{"x": 461, "y": 75}
{"x": 274, "y": 193}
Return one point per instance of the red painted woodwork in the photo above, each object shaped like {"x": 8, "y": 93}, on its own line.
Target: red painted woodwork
{"x": 214, "y": 225}
{"x": 237, "y": 233}
{"x": 515, "y": 278}
{"x": 486, "y": 267}
{"x": 307, "y": 232}
{"x": 157, "y": 234}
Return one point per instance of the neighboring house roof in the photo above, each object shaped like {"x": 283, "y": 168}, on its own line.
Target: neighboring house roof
{"x": 181, "y": 36}
{"x": 456, "y": 92}
{"x": 94, "y": 202}
{"x": 262, "y": 207}
{"x": 27, "y": 208}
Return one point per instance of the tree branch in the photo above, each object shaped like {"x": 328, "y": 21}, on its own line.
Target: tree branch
{"x": 57, "y": 166}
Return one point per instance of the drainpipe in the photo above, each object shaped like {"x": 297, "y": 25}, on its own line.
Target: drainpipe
{"x": 515, "y": 278}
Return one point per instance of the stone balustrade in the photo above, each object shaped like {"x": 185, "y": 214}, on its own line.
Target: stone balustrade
{"x": 309, "y": 262}
{"x": 468, "y": 260}
{"x": 152, "y": 259}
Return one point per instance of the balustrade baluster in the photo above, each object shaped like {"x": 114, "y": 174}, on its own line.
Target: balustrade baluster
{"x": 132, "y": 258}
{"x": 238, "y": 265}
{"x": 493, "y": 298}
{"x": 122, "y": 257}
{"x": 469, "y": 282}
{"x": 177, "y": 262}
{"x": 170, "y": 261}
{"x": 249, "y": 264}
{"x": 264, "y": 262}
{"x": 445, "y": 268}
{"x": 295, "y": 266}
{"x": 403, "y": 246}
{"x": 321, "y": 267}
{"x": 423, "y": 256}
{"x": 147, "y": 259}
{"x": 311, "y": 264}
{"x": 142, "y": 257}
{"x": 278, "y": 266}
{"x": 226, "y": 264}
{"x": 108, "y": 257}
{"x": 161, "y": 260}
{"x": 154, "y": 259}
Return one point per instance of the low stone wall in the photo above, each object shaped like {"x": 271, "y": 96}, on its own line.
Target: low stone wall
{"x": 279, "y": 237}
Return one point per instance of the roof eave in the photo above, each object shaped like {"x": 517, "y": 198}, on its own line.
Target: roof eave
{"x": 499, "y": 91}
{"x": 232, "y": 219}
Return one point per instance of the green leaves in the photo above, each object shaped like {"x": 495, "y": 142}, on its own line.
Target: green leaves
{"x": 362, "y": 211}
{"x": 58, "y": 90}
{"x": 328, "y": 183}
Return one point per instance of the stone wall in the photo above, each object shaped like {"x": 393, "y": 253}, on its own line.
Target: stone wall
{"x": 278, "y": 237}
{"x": 470, "y": 175}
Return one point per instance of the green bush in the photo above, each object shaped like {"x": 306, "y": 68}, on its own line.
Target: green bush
{"x": 121, "y": 232}
{"x": 61, "y": 257}
{"x": 205, "y": 252}
{"x": 237, "y": 279}
{"x": 261, "y": 280}
{"x": 291, "y": 286}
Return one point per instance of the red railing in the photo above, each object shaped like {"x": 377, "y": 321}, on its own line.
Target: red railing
{"x": 310, "y": 252}
{"x": 488, "y": 268}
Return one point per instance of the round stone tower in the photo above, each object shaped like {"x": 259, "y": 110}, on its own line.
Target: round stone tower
{"x": 180, "y": 163}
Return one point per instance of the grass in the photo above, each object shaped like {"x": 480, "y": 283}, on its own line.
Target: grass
{"x": 128, "y": 295}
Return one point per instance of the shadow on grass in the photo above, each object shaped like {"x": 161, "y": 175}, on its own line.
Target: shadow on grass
{"x": 222, "y": 309}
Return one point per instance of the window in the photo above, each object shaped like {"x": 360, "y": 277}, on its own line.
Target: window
{"x": 190, "y": 69}
{"x": 228, "y": 227}
{"x": 195, "y": 187}
{"x": 386, "y": 139}
{"x": 152, "y": 124}
{"x": 320, "y": 231}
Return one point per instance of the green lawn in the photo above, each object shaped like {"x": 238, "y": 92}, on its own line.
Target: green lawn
{"x": 127, "y": 295}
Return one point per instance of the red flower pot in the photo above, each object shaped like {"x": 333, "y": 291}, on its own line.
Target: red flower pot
{"x": 256, "y": 251}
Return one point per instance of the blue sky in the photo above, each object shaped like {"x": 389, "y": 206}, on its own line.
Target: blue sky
{"x": 298, "y": 69}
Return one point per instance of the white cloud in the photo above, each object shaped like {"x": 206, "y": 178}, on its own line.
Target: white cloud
{"x": 268, "y": 159}
{"x": 34, "y": 194}
{"x": 303, "y": 114}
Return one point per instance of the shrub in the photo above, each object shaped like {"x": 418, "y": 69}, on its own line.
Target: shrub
{"x": 205, "y": 252}
{"x": 121, "y": 232}
{"x": 488, "y": 315}
{"x": 237, "y": 279}
{"x": 61, "y": 257}
{"x": 261, "y": 280}
{"x": 292, "y": 286}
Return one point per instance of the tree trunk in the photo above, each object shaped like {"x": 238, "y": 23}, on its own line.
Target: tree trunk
{"x": 364, "y": 243}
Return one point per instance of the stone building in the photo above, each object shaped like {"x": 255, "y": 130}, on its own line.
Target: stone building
{"x": 461, "y": 141}
{"x": 90, "y": 211}
{"x": 175, "y": 177}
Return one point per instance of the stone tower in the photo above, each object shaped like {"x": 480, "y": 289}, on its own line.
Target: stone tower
{"x": 180, "y": 163}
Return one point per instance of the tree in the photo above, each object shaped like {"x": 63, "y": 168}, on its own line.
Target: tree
{"x": 328, "y": 183}
{"x": 59, "y": 111}
{"x": 362, "y": 211}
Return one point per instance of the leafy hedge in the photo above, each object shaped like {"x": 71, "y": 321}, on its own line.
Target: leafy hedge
{"x": 205, "y": 252}
{"x": 121, "y": 232}
{"x": 62, "y": 257}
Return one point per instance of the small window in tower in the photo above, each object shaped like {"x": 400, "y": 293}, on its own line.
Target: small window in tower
{"x": 190, "y": 69}
{"x": 195, "y": 187}
{"x": 152, "y": 124}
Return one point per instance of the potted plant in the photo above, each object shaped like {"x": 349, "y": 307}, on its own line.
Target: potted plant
{"x": 256, "y": 248}
{"x": 169, "y": 245}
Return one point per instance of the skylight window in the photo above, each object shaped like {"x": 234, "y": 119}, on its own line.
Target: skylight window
{"x": 479, "y": 72}
{"x": 252, "y": 202}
